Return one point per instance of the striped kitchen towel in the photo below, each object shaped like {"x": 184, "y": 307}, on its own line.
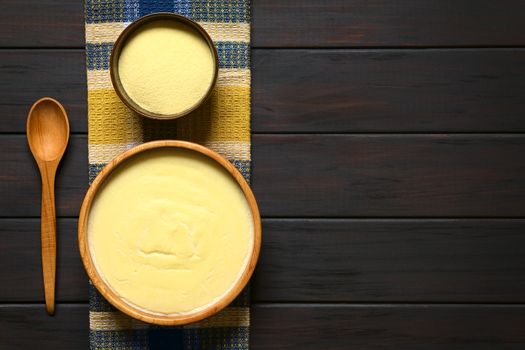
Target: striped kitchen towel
{"x": 222, "y": 124}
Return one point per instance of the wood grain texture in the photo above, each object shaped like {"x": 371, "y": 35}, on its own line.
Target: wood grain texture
{"x": 21, "y": 265}
{"x": 27, "y": 75}
{"x": 328, "y": 176}
{"x": 29, "y": 327}
{"x": 335, "y": 91}
{"x": 310, "y": 260}
{"x": 306, "y": 327}
{"x": 299, "y": 23}
{"x": 20, "y": 181}
{"x": 387, "y": 327}
{"x": 389, "y": 175}
{"x": 339, "y": 23}
{"x": 369, "y": 260}
{"x": 318, "y": 90}
{"x": 42, "y": 23}
{"x": 47, "y": 137}
{"x": 388, "y": 90}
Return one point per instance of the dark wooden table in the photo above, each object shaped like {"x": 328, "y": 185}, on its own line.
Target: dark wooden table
{"x": 388, "y": 149}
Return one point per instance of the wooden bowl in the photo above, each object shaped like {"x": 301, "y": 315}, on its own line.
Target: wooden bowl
{"x": 109, "y": 294}
{"x": 121, "y": 41}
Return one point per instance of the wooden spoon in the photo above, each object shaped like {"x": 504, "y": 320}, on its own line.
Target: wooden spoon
{"x": 48, "y": 135}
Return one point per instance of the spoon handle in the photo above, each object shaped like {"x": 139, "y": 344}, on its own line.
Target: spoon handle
{"x": 48, "y": 236}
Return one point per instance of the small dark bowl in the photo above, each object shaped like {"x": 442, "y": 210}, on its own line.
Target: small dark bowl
{"x": 121, "y": 41}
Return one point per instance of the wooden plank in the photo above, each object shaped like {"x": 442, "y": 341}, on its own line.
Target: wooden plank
{"x": 299, "y": 23}
{"x": 28, "y": 75}
{"x": 388, "y": 90}
{"x": 40, "y": 23}
{"x": 29, "y": 327}
{"x": 398, "y": 260}
{"x": 306, "y": 327}
{"x": 323, "y": 261}
{"x": 319, "y": 90}
{"x": 389, "y": 175}
{"x": 22, "y": 269}
{"x": 20, "y": 181}
{"x": 340, "y": 23}
{"x": 328, "y": 176}
{"x": 370, "y": 327}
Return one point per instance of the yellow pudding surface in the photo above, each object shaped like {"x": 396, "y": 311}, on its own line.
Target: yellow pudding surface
{"x": 170, "y": 231}
{"x": 166, "y": 67}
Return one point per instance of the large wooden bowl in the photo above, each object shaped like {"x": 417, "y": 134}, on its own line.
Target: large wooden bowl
{"x": 109, "y": 294}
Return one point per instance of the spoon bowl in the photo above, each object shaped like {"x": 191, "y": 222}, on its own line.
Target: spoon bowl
{"x": 47, "y": 129}
{"x": 48, "y": 135}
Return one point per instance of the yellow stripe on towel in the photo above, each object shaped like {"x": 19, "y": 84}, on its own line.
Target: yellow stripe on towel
{"x": 107, "y": 112}
{"x": 225, "y": 117}
{"x": 117, "y": 321}
{"x": 113, "y": 321}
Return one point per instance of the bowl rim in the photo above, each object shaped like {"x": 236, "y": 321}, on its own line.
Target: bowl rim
{"x": 105, "y": 289}
{"x": 120, "y": 43}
